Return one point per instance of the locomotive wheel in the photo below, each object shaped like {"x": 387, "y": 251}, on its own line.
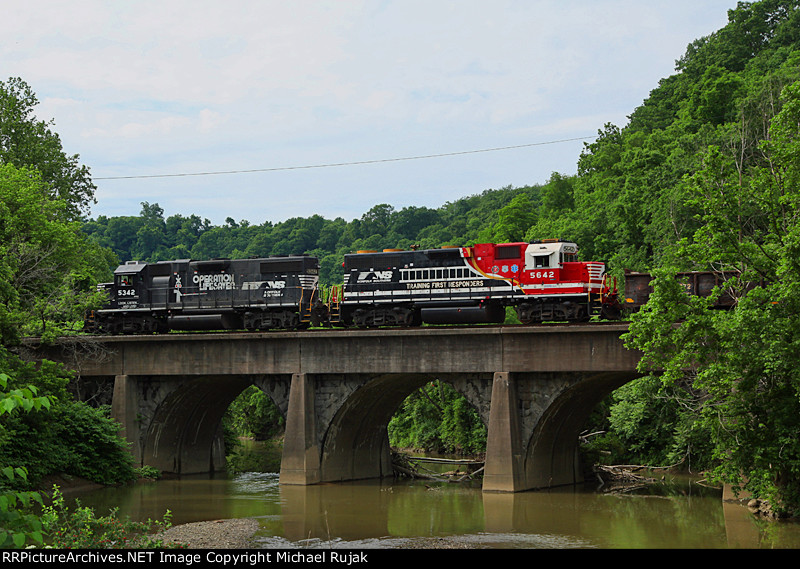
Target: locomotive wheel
{"x": 536, "y": 312}
{"x": 389, "y": 316}
{"x": 271, "y": 320}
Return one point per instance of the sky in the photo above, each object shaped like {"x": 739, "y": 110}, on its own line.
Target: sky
{"x": 263, "y": 110}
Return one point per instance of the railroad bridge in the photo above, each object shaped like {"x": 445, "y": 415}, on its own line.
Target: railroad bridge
{"x": 337, "y": 389}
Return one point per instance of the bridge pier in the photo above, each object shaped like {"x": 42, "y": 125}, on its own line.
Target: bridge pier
{"x": 503, "y": 469}
{"x": 124, "y": 408}
{"x": 300, "y": 463}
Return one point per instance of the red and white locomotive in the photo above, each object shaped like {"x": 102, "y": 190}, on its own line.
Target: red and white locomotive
{"x": 542, "y": 281}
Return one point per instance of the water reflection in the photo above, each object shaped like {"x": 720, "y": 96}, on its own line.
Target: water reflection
{"x": 390, "y": 513}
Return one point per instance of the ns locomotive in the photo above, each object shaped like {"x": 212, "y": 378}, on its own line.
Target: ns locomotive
{"x": 542, "y": 281}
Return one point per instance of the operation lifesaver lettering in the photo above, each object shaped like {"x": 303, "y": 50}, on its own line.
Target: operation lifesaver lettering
{"x": 221, "y": 281}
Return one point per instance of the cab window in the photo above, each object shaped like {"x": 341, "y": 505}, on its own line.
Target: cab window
{"x": 541, "y": 261}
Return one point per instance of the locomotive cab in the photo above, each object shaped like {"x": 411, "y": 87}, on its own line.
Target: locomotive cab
{"x": 128, "y": 288}
{"x": 549, "y": 255}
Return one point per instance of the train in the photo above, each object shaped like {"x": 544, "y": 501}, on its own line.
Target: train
{"x": 541, "y": 280}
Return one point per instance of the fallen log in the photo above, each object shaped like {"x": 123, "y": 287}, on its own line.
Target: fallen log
{"x": 405, "y": 465}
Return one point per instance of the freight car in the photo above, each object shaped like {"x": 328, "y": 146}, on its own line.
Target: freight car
{"x": 638, "y": 287}
{"x": 542, "y": 281}
{"x": 218, "y": 294}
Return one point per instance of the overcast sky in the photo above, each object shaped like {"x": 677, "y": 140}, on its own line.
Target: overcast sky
{"x": 329, "y": 107}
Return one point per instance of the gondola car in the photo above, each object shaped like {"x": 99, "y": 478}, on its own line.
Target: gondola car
{"x": 638, "y": 287}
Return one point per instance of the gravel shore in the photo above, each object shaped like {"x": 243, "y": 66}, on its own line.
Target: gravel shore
{"x": 217, "y": 534}
{"x": 238, "y": 533}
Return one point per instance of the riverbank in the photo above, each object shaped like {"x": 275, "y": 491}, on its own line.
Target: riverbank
{"x": 216, "y": 534}
{"x": 238, "y": 534}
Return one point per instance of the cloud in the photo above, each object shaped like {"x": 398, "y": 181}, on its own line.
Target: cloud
{"x": 170, "y": 87}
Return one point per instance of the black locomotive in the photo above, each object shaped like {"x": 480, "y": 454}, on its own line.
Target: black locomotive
{"x": 219, "y": 294}
{"x": 406, "y": 288}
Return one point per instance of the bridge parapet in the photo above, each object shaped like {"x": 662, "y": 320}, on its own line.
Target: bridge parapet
{"x": 486, "y": 349}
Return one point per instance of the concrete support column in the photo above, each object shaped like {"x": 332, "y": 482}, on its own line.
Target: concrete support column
{"x": 504, "y": 467}
{"x": 300, "y": 463}
{"x": 124, "y": 409}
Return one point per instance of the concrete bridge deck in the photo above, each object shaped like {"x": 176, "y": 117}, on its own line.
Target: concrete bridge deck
{"x": 450, "y": 349}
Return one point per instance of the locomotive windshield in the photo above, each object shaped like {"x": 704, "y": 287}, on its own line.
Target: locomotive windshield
{"x": 540, "y": 261}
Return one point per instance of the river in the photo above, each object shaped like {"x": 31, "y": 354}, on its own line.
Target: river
{"x": 677, "y": 513}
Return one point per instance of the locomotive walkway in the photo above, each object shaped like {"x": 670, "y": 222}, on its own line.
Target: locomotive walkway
{"x": 337, "y": 389}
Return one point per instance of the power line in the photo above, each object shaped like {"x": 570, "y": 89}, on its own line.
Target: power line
{"x": 338, "y": 164}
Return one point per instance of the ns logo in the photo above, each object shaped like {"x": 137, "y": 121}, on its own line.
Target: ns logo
{"x": 374, "y": 276}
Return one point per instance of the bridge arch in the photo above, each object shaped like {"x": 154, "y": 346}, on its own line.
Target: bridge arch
{"x": 355, "y": 442}
{"x": 184, "y": 434}
{"x": 564, "y": 404}
{"x": 178, "y": 420}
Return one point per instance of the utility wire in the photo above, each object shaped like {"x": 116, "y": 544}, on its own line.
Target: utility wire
{"x": 338, "y": 164}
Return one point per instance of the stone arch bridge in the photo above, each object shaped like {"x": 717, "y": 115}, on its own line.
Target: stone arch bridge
{"x": 532, "y": 386}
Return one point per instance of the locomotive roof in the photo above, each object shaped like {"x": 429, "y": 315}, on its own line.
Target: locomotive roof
{"x": 130, "y": 267}
{"x": 546, "y": 247}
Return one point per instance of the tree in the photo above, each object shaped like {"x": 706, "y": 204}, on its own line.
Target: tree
{"x": 514, "y": 221}
{"x": 557, "y": 195}
{"x": 377, "y": 220}
{"x": 743, "y": 359}
{"x": 47, "y": 266}
{"x": 437, "y": 418}
{"x": 28, "y": 142}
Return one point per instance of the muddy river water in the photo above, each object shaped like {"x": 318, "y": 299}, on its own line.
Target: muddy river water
{"x": 679, "y": 513}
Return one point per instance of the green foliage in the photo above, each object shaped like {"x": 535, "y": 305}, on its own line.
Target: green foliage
{"x": 81, "y": 528}
{"x": 252, "y": 427}
{"x": 47, "y": 268}
{"x": 436, "y": 418}
{"x": 253, "y": 414}
{"x": 656, "y": 425}
{"x": 501, "y": 214}
{"x": 28, "y": 143}
{"x": 255, "y": 456}
{"x": 71, "y": 438}
{"x": 744, "y": 359}
{"x": 149, "y": 472}
{"x": 18, "y": 524}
